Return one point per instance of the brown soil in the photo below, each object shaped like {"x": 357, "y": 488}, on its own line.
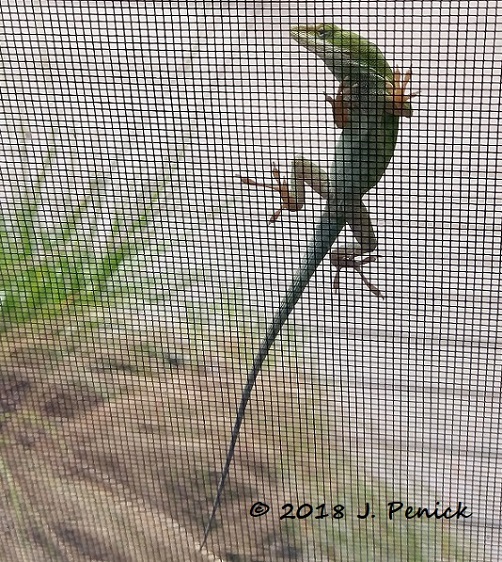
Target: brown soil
{"x": 111, "y": 449}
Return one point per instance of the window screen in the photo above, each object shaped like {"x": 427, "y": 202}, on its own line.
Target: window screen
{"x": 146, "y": 151}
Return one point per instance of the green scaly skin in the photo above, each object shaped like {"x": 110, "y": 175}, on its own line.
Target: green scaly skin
{"x": 352, "y": 58}
{"x": 363, "y": 152}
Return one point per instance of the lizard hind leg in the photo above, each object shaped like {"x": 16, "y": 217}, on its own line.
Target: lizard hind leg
{"x": 281, "y": 186}
{"x": 359, "y": 222}
{"x": 303, "y": 172}
{"x": 344, "y": 261}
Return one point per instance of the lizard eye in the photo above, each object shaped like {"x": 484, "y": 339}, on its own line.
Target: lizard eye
{"x": 322, "y": 32}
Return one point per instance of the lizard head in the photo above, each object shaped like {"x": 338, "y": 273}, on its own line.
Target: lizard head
{"x": 350, "y": 56}
{"x": 345, "y": 52}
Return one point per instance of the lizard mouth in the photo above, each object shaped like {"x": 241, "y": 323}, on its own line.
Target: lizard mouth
{"x": 313, "y": 38}
{"x": 300, "y": 33}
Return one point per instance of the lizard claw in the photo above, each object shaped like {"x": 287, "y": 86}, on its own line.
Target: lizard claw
{"x": 344, "y": 262}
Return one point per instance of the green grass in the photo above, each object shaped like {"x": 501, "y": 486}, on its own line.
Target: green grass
{"x": 47, "y": 270}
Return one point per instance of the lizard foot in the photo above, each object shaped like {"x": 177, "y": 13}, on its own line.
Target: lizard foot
{"x": 397, "y": 99}
{"x": 280, "y": 186}
{"x": 343, "y": 262}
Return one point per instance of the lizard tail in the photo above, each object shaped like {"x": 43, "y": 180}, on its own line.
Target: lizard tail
{"x": 326, "y": 232}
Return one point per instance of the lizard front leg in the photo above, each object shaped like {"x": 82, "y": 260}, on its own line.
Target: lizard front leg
{"x": 341, "y": 105}
{"x": 396, "y": 99}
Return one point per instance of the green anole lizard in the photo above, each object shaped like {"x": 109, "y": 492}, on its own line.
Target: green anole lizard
{"x": 369, "y": 103}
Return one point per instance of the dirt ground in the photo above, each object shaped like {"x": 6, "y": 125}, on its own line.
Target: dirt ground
{"x": 110, "y": 451}
{"x": 111, "y": 448}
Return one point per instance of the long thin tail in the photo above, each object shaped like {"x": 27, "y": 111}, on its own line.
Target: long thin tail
{"x": 326, "y": 232}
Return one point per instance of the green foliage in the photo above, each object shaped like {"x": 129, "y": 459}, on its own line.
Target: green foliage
{"x": 48, "y": 268}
